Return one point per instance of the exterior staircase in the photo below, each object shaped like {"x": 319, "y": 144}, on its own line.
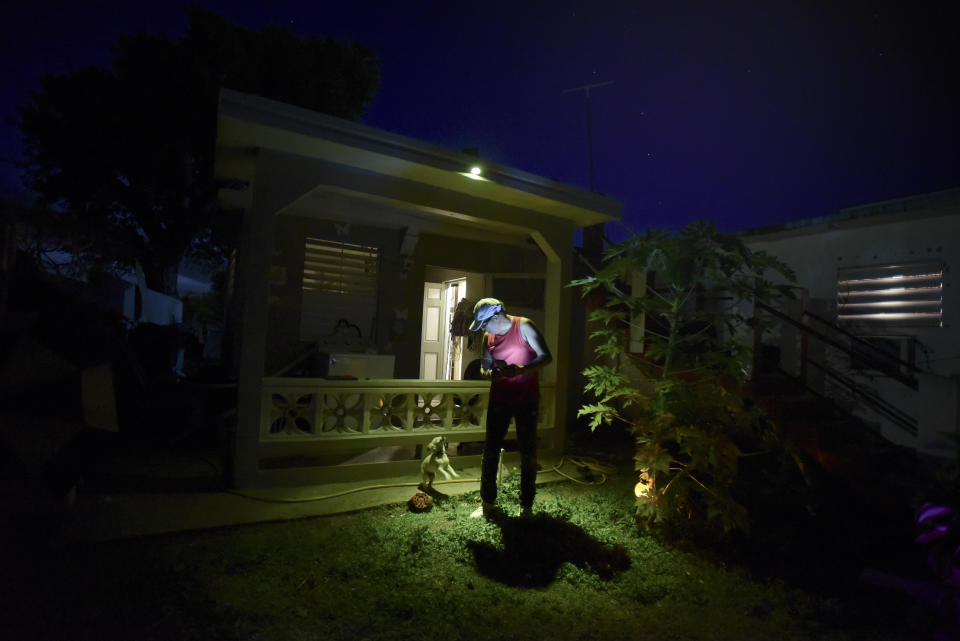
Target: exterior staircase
{"x": 842, "y": 443}
{"x": 846, "y": 447}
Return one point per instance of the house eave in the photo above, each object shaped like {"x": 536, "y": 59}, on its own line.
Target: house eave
{"x": 248, "y": 122}
{"x": 929, "y": 205}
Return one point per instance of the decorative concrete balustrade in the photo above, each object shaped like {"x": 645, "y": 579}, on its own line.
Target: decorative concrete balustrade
{"x": 378, "y": 412}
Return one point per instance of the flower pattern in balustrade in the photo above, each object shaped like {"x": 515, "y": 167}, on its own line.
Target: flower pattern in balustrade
{"x": 389, "y": 412}
{"x": 292, "y": 413}
{"x": 430, "y": 410}
{"x": 467, "y": 410}
{"x": 342, "y": 412}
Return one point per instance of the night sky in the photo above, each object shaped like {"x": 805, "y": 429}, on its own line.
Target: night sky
{"x": 746, "y": 113}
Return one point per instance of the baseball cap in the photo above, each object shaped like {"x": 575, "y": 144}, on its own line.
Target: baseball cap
{"x": 484, "y": 311}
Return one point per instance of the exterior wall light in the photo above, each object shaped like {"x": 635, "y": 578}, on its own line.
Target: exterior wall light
{"x": 476, "y": 170}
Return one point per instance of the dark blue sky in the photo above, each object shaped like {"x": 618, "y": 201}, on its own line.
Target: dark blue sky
{"x": 747, "y": 113}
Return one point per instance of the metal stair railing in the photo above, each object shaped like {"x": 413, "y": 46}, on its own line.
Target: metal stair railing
{"x": 879, "y": 359}
{"x": 895, "y": 414}
{"x": 874, "y": 356}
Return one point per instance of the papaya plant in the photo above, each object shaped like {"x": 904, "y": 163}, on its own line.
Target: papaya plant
{"x": 678, "y": 387}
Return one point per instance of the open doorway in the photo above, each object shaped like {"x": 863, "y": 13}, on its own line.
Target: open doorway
{"x": 444, "y": 356}
{"x": 441, "y": 353}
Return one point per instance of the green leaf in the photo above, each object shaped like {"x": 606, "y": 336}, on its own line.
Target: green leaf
{"x": 654, "y": 458}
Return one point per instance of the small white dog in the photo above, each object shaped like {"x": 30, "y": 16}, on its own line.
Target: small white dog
{"x": 435, "y": 461}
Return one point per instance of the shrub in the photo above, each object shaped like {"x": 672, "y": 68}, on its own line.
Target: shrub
{"x": 679, "y": 392}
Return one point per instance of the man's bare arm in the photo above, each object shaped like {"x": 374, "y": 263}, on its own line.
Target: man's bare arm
{"x": 536, "y": 341}
{"x": 486, "y": 360}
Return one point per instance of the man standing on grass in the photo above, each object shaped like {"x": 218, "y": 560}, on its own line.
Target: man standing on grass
{"x": 513, "y": 351}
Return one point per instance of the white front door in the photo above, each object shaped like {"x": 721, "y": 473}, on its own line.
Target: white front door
{"x": 434, "y": 334}
{"x": 453, "y": 291}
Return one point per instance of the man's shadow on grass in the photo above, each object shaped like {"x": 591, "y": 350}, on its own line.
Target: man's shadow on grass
{"x": 535, "y": 547}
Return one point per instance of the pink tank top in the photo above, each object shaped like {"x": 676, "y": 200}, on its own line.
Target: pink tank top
{"x": 513, "y": 348}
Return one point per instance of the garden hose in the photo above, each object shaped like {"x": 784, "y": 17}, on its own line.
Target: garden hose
{"x": 308, "y": 499}
{"x": 587, "y": 462}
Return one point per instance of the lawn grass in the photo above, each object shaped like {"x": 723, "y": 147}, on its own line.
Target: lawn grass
{"x": 577, "y": 570}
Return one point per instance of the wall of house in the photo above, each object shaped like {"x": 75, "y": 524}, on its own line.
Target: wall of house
{"x": 817, "y": 252}
{"x": 283, "y": 334}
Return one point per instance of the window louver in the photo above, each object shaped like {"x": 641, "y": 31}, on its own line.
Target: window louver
{"x": 335, "y": 267}
{"x": 905, "y": 295}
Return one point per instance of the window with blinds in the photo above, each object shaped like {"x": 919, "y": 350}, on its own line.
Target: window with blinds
{"x": 336, "y": 267}
{"x": 905, "y": 295}
{"x": 339, "y": 282}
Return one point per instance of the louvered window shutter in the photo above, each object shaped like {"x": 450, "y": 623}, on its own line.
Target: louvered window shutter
{"x": 904, "y": 295}
{"x": 339, "y": 282}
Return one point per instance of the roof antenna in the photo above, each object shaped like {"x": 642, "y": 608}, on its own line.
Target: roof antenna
{"x": 592, "y": 236}
{"x": 586, "y": 90}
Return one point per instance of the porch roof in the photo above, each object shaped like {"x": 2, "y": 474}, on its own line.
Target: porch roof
{"x": 248, "y": 123}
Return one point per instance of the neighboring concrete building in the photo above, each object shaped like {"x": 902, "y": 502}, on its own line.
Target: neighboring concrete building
{"x": 878, "y": 273}
{"x": 359, "y": 245}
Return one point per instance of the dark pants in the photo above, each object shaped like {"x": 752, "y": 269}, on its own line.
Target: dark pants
{"x": 498, "y": 420}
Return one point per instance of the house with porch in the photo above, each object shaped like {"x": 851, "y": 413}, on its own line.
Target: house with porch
{"x": 359, "y": 253}
{"x": 877, "y": 324}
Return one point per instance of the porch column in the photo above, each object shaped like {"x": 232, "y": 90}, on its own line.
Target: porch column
{"x": 256, "y": 247}
{"x": 278, "y": 182}
{"x": 557, "y": 244}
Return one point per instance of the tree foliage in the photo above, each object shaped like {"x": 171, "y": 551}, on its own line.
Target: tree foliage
{"x": 122, "y": 158}
{"x": 680, "y": 396}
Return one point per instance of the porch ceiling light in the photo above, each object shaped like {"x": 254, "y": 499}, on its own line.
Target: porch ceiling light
{"x": 476, "y": 173}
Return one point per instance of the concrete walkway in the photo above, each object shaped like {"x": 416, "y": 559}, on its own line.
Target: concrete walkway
{"x": 100, "y": 515}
